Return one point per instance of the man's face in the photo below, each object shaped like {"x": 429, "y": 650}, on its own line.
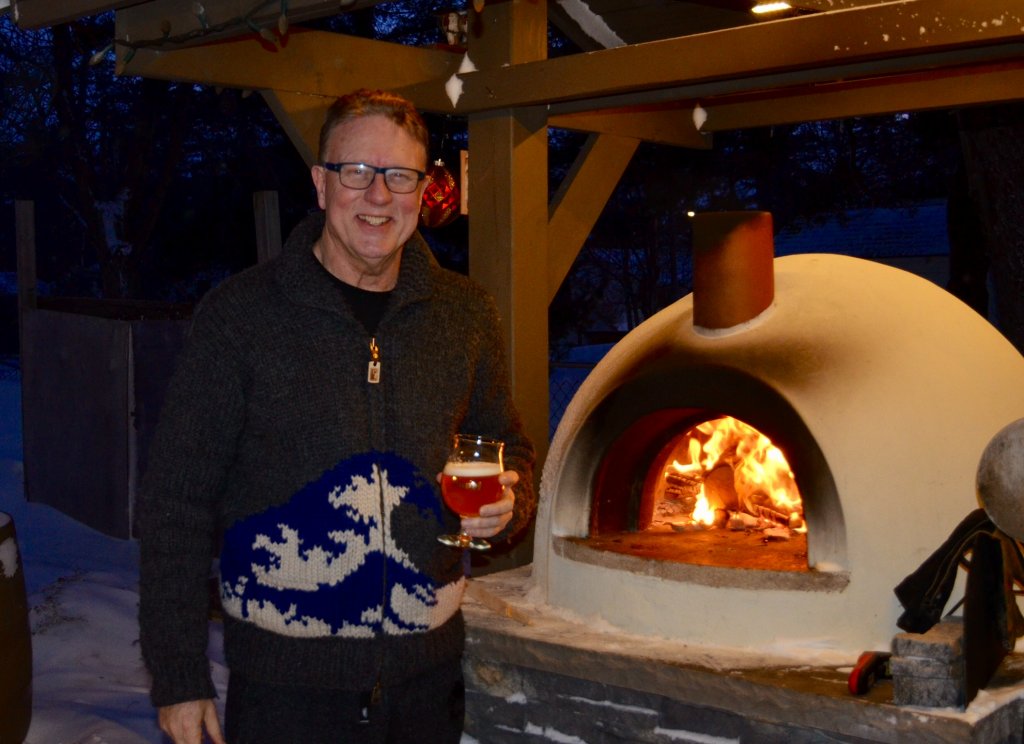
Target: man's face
{"x": 365, "y": 229}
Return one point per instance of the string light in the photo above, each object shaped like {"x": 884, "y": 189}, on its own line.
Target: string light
{"x": 200, "y": 12}
{"x": 96, "y": 58}
{"x": 205, "y": 28}
{"x": 282, "y": 20}
{"x": 264, "y": 33}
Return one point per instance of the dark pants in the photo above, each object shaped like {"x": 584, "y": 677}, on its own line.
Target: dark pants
{"x": 428, "y": 709}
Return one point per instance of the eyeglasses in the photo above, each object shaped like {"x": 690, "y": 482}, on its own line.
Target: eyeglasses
{"x": 361, "y": 175}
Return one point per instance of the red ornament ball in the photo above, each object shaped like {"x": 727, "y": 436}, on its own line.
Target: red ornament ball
{"x": 441, "y": 198}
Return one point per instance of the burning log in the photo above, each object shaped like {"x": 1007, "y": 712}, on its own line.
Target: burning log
{"x": 720, "y": 488}
{"x": 743, "y": 521}
{"x": 690, "y": 480}
{"x": 769, "y": 514}
{"x": 777, "y": 533}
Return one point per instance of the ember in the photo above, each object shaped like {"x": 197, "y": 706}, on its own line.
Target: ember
{"x": 725, "y": 473}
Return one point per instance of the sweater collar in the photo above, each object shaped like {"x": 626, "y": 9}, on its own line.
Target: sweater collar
{"x": 305, "y": 281}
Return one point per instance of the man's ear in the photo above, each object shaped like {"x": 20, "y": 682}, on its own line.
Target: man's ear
{"x": 319, "y": 175}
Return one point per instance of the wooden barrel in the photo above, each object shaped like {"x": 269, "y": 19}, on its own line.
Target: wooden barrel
{"x": 15, "y": 640}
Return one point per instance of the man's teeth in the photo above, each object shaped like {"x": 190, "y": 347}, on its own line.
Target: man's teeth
{"x": 373, "y": 220}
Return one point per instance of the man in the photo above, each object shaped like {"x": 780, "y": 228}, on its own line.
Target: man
{"x": 303, "y": 431}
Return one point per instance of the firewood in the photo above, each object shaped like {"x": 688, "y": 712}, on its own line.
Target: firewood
{"x": 720, "y": 489}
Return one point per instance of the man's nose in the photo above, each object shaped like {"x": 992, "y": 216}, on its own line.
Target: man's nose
{"x": 378, "y": 189}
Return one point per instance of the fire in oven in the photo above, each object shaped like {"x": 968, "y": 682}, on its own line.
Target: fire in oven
{"x": 736, "y": 481}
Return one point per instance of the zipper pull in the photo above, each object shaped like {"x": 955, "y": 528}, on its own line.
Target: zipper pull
{"x": 373, "y": 370}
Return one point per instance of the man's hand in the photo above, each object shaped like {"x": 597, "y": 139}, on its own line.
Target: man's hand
{"x": 184, "y": 722}
{"x": 494, "y": 517}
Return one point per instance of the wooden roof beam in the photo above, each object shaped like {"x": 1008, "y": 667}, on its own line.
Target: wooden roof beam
{"x": 40, "y": 13}
{"x": 309, "y": 62}
{"x": 146, "y": 20}
{"x": 580, "y": 199}
{"x": 670, "y": 124}
{"x": 946, "y": 88}
{"x": 167, "y": 24}
{"x": 932, "y": 90}
{"x": 301, "y": 117}
{"x": 860, "y": 41}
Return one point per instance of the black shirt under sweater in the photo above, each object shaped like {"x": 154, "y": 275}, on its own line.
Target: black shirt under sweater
{"x": 366, "y": 305}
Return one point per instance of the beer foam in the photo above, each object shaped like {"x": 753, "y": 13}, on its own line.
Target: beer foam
{"x": 472, "y": 469}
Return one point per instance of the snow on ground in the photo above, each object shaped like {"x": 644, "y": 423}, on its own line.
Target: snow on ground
{"x": 89, "y": 683}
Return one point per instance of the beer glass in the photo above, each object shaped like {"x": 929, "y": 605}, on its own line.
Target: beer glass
{"x": 469, "y": 481}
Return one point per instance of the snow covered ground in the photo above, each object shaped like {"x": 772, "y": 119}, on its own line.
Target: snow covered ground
{"x": 89, "y": 683}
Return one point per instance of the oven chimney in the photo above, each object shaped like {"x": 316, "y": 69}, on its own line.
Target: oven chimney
{"x": 733, "y": 273}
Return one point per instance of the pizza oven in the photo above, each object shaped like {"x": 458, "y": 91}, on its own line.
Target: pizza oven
{"x": 869, "y": 393}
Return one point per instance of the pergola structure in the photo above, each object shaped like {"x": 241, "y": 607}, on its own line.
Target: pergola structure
{"x": 663, "y": 71}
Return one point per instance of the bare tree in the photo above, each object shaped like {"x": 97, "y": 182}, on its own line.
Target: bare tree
{"x": 993, "y": 146}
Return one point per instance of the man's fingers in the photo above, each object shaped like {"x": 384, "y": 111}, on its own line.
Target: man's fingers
{"x": 184, "y": 722}
{"x": 213, "y": 724}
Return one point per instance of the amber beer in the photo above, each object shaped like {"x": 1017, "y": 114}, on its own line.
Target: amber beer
{"x": 470, "y": 480}
{"x": 466, "y": 486}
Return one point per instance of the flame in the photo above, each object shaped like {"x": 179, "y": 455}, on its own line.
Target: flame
{"x": 702, "y": 511}
{"x": 762, "y": 483}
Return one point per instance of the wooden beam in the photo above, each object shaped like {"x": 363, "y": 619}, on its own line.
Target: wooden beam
{"x": 301, "y": 117}
{"x": 310, "y": 62}
{"x": 672, "y": 124}
{"x": 944, "y": 88}
{"x": 508, "y": 226}
{"x": 826, "y": 5}
{"x": 580, "y": 199}
{"x": 39, "y": 13}
{"x": 173, "y": 23}
{"x": 883, "y": 39}
{"x": 25, "y": 243}
{"x": 940, "y": 89}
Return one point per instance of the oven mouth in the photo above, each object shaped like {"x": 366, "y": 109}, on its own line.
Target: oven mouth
{"x": 625, "y": 438}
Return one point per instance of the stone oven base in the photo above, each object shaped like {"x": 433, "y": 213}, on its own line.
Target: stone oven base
{"x": 564, "y": 680}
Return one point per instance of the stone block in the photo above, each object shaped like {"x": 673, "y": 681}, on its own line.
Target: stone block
{"x": 942, "y": 642}
{"x": 920, "y": 667}
{"x": 931, "y": 692}
{"x": 928, "y": 668}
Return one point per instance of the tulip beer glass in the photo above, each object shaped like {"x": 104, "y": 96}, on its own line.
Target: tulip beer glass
{"x": 469, "y": 481}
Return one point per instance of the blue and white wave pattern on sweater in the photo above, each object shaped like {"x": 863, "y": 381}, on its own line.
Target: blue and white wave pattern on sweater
{"x": 315, "y": 566}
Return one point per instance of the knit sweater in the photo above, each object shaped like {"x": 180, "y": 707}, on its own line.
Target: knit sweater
{"x": 316, "y": 478}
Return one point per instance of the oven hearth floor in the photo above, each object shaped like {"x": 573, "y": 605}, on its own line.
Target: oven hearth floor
{"x": 728, "y": 548}
{"x": 566, "y": 679}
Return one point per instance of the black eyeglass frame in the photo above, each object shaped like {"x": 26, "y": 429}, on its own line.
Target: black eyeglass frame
{"x": 336, "y": 168}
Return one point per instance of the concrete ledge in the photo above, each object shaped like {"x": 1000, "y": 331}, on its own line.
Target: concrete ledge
{"x": 565, "y": 677}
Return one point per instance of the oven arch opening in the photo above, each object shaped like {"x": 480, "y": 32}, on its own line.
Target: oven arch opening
{"x": 622, "y": 437}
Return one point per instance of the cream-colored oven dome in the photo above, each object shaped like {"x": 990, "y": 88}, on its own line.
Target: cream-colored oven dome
{"x": 888, "y": 387}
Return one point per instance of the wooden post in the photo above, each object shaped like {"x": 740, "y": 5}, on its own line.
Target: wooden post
{"x": 508, "y": 231}
{"x": 25, "y": 244}
{"x": 268, "y": 224}
{"x": 25, "y": 228}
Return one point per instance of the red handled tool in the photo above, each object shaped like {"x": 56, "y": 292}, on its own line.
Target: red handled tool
{"x": 871, "y": 667}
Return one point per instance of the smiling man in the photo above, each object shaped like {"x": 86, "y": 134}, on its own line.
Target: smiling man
{"x": 310, "y": 413}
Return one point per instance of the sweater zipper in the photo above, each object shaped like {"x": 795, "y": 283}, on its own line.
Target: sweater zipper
{"x": 373, "y": 368}
{"x": 373, "y": 377}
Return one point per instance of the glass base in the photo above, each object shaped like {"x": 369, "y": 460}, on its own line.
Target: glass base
{"x": 464, "y": 542}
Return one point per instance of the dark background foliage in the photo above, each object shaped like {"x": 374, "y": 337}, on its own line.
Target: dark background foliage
{"x": 143, "y": 189}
